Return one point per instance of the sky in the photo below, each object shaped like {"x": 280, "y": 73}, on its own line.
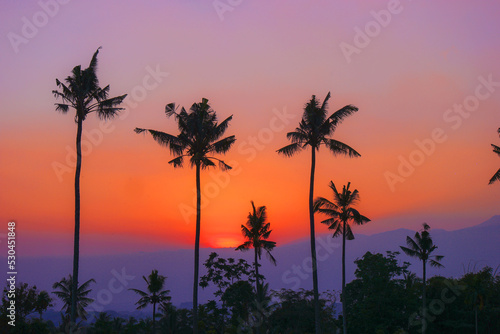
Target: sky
{"x": 424, "y": 75}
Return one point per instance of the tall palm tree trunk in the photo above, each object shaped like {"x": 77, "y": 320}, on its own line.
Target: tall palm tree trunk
{"x": 257, "y": 285}
{"x": 76, "y": 250}
{"x": 344, "y": 312}
{"x": 196, "y": 250}
{"x": 424, "y": 310}
{"x": 475, "y": 318}
{"x": 313, "y": 244}
{"x": 154, "y": 317}
{"x": 257, "y": 331}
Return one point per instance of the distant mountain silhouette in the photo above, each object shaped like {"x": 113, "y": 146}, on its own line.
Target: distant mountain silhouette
{"x": 465, "y": 248}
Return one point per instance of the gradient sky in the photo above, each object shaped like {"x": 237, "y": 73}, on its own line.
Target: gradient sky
{"x": 256, "y": 61}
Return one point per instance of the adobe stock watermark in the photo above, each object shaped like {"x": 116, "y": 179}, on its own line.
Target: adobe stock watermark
{"x": 363, "y": 37}
{"x": 437, "y": 305}
{"x": 298, "y": 273}
{"x": 94, "y": 137}
{"x": 116, "y": 284}
{"x": 454, "y": 118}
{"x": 30, "y": 27}
{"x": 249, "y": 148}
{"x": 223, "y": 6}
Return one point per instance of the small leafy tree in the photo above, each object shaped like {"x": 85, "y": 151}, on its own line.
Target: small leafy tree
{"x": 380, "y": 287}
{"x": 222, "y": 273}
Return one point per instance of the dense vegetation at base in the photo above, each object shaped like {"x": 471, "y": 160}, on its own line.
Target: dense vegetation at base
{"x": 383, "y": 298}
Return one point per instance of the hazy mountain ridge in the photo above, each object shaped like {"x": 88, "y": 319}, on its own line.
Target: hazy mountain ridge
{"x": 115, "y": 274}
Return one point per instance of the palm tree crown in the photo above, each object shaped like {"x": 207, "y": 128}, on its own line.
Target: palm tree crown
{"x": 315, "y": 126}
{"x": 422, "y": 247}
{"x": 64, "y": 293}
{"x": 198, "y": 138}
{"x": 155, "y": 293}
{"x": 83, "y": 93}
{"x": 341, "y": 211}
{"x": 496, "y": 149}
{"x": 257, "y": 231}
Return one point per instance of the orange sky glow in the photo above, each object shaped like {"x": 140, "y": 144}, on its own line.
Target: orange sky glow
{"x": 260, "y": 63}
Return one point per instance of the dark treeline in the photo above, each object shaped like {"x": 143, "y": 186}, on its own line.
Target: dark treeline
{"x": 384, "y": 297}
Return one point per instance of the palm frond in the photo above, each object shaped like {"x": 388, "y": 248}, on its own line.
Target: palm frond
{"x": 290, "y": 150}
{"x": 93, "y": 62}
{"x": 204, "y": 162}
{"x": 324, "y": 106}
{"x": 107, "y": 109}
{"x": 358, "y": 218}
{"x": 496, "y": 177}
{"x": 436, "y": 264}
{"x": 221, "y": 128}
{"x": 322, "y": 203}
{"x": 297, "y": 136}
{"x": 177, "y": 162}
{"x": 171, "y": 109}
{"x": 63, "y": 108}
{"x": 175, "y": 145}
{"x": 410, "y": 252}
{"x": 339, "y": 148}
{"x": 412, "y": 244}
{"x": 223, "y": 145}
{"x": 139, "y": 292}
{"x": 337, "y": 117}
{"x": 270, "y": 257}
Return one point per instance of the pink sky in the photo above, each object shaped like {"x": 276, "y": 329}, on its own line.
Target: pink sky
{"x": 261, "y": 60}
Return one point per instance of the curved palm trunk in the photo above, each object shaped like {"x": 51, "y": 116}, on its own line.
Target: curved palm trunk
{"x": 76, "y": 249}
{"x": 424, "y": 311}
{"x": 313, "y": 244}
{"x": 344, "y": 313}
{"x": 196, "y": 250}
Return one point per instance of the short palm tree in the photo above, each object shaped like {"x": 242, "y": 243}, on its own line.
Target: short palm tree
{"x": 341, "y": 213}
{"x": 199, "y": 138}
{"x": 422, "y": 247}
{"x": 257, "y": 231}
{"x": 155, "y": 294}
{"x": 314, "y": 130}
{"x": 65, "y": 292}
{"x": 83, "y": 93}
{"x": 43, "y": 301}
{"x": 496, "y": 149}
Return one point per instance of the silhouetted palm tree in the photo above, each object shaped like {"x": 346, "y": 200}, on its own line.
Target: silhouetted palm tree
{"x": 155, "y": 293}
{"x": 422, "y": 248}
{"x": 65, "y": 294}
{"x": 43, "y": 301}
{"x": 341, "y": 212}
{"x": 496, "y": 149}
{"x": 313, "y": 131}
{"x": 257, "y": 231}
{"x": 83, "y": 93}
{"x": 200, "y": 135}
